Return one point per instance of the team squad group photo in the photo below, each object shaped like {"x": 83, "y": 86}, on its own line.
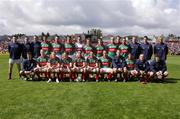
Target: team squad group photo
{"x": 119, "y": 60}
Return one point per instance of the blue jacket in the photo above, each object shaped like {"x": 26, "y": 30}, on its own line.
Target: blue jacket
{"x": 158, "y": 66}
{"x": 117, "y": 62}
{"x": 147, "y": 50}
{"x": 142, "y": 65}
{"x": 161, "y": 50}
{"x": 26, "y": 48}
{"x": 15, "y": 50}
{"x": 135, "y": 50}
{"x": 36, "y": 47}
{"x": 29, "y": 65}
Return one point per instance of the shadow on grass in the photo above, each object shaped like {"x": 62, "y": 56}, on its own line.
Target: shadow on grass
{"x": 172, "y": 80}
{"x": 167, "y": 80}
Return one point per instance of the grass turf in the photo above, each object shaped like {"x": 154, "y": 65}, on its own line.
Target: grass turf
{"x": 36, "y": 100}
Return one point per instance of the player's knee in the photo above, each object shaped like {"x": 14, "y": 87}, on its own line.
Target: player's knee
{"x": 165, "y": 73}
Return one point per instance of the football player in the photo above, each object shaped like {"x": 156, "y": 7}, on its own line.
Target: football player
{"x": 41, "y": 68}
{"x": 66, "y": 65}
{"x": 118, "y": 65}
{"x": 111, "y": 47}
{"x": 129, "y": 69}
{"x": 92, "y": 66}
{"x": 28, "y": 67}
{"x": 79, "y": 67}
{"x": 124, "y": 49}
{"x": 105, "y": 66}
{"x": 53, "y": 67}
{"x": 159, "y": 68}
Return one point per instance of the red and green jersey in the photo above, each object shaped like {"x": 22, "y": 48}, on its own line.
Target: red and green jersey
{"x": 99, "y": 50}
{"x": 124, "y": 50}
{"x": 56, "y": 47}
{"x": 130, "y": 65}
{"x": 42, "y": 61}
{"x": 45, "y": 47}
{"x": 111, "y": 50}
{"x": 87, "y": 50}
{"x": 54, "y": 62}
{"x": 92, "y": 61}
{"x": 66, "y": 62}
{"x": 105, "y": 62}
{"x": 68, "y": 48}
{"x": 79, "y": 62}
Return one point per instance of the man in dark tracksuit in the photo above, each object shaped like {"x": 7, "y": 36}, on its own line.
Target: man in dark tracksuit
{"x": 135, "y": 48}
{"x": 118, "y": 65}
{"x": 143, "y": 68}
{"x": 36, "y": 47}
{"x": 15, "y": 51}
{"x": 28, "y": 66}
{"x": 161, "y": 49}
{"x": 146, "y": 49}
{"x": 27, "y": 47}
{"x": 159, "y": 68}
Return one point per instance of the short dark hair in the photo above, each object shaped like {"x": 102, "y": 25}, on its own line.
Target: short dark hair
{"x": 146, "y": 37}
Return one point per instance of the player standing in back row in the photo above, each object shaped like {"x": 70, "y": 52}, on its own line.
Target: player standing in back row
{"x": 15, "y": 51}
{"x": 111, "y": 48}
{"x": 124, "y": 49}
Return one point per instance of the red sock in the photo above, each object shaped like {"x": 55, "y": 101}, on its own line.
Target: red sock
{"x": 83, "y": 76}
{"x": 109, "y": 76}
{"x": 72, "y": 75}
{"x": 62, "y": 75}
{"x": 97, "y": 77}
{"x": 46, "y": 74}
{"x": 49, "y": 74}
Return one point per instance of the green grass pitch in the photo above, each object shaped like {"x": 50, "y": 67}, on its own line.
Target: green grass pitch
{"x": 104, "y": 100}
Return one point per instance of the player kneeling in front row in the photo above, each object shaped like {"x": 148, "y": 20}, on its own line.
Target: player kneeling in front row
{"x": 66, "y": 65}
{"x": 118, "y": 65}
{"x": 53, "y": 67}
{"x": 105, "y": 66}
{"x": 79, "y": 67}
{"x": 129, "y": 69}
{"x": 28, "y": 67}
{"x": 92, "y": 66}
{"x": 159, "y": 68}
{"x": 41, "y": 67}
{"x": 143, "y": 68}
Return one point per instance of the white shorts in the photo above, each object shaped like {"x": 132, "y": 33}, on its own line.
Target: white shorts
{"x": 13, "y": 61}
{"x": 106, "y": 70}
